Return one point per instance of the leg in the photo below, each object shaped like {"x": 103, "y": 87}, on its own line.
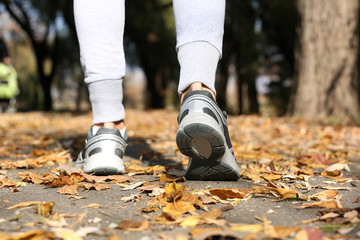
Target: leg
{"x": 199, "y": 28}
{"x": 203, "y": 130}
{"x": 100, "y": 29}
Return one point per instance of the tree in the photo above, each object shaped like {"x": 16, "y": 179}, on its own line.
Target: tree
{"x": 51, "y": 42}
{"x": 150, "y": 36}
{"x": 239, "y": 48}
{"x": 326, "y": 82}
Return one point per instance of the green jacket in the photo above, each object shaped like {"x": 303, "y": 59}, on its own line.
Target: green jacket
{"x": 8, "y": 82}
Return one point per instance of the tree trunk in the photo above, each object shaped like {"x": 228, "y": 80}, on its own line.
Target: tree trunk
{"x": 326, "y": 82}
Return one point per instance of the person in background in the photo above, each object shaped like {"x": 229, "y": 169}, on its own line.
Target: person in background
{"x": 8, "y": 80}
{"x": 203, "y": 129}
{"x": 4, "y": 53}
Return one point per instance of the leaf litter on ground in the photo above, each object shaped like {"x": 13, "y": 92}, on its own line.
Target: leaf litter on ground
{"x": 279, "y": 156}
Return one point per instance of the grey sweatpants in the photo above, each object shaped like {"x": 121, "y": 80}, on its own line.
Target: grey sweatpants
{"x": 100, "y": 29}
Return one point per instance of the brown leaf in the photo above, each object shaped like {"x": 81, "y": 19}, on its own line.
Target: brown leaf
{"x": 270, "y": 176}
{"x": 168, "y": 218}
{"x": 33, "y": 235}
{"x": 173, "y": 191}
{"x": 179, "y": 208}
{"x": 279, "y": 192}
{"x": 32, "y": 177}
{"x": 61, "y": 181}
{"x": 194, "y": 199}
{"x": 6, "y": 182}
{"x": 149, "y": 209}
{"x": 197, "y": 231}
{"x": 324, "y": 195}
{"x": 136, "y": 169}
{"x": 25, "y": 204}
{"x": 128, "y": 225}
{"x": 111, "y": 178}
{"x": 206, "y": 218}
{"x": 230, "y": 193}
{"x": 153, "y": 189}
{"x": 96, "y": 186}
{"x": 333, "y": 203}
{"x": 45, "y": 209}
{"x": 329, "y": 174}
{"x": 169, "y": 178}
{"x": 68, "y": 189}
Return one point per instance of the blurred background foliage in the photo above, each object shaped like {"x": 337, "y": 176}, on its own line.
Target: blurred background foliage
{"x": 255, "y": 74}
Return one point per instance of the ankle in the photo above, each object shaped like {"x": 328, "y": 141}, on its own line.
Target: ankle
{"x": 118, "y": 124}
{"x": 196, "y": 86}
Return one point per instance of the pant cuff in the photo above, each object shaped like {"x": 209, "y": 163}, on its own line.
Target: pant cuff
{"x": 198, "y": 63}
{"x": 106, "y": 101}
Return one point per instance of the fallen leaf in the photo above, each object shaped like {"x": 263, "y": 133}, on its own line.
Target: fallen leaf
{"x": 329, "y": 174}
{"x": 132, "y": 186}
{"x": 333, "y": 203}
{"x": 338, "y": 167}
{"x": 324, "y": 195}
{"x": 169, "y": 178}
{"x": 128, "y": 225}
{"x": 67, "y": 234}
{"x": 31, "y": 235}
{"x": 68, "y": 189}
{"x": 92, "y": 205}
{"x": 131, "y": 198}
{"x": 251, "y": 228}
{"x": 173, "y": 191}
{"x": 44, "y": 209}
{"x": 84, "y": 231}
{"x": 25, "y": 204}
{"x": 6, "y": 182}
{"x": 111, "y": 178}
{"x": 230, "y": 193}
{"x": 149, "y": 209}
{"x": 179, "y": 208}
{"x": 96, "y": 186}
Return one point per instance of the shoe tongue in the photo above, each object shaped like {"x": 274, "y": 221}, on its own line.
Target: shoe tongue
{"x": 198, "y": 92}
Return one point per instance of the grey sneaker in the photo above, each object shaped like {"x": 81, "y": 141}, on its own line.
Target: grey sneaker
{"x": 204, "y": 137}
{"x": 103, "y": 152}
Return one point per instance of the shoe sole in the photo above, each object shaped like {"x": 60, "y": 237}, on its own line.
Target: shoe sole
{"x": 200, "y": 138}
{"x": 102, "y": 164}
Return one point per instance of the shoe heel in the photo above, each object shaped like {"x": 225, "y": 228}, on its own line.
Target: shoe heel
{"x": 199, "y": 137}
{"x": 104, "y": 164}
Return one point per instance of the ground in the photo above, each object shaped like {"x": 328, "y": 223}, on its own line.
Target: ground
{"x": 284, "y": 162}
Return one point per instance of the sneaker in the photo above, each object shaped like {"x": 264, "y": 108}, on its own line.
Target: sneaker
{"x": 204, "y": 137}
{"x": 103, "y": 153}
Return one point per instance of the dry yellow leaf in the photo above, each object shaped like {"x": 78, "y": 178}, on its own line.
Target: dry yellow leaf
{"x": 68, "y": 189}
{"x": 333, "y": 203}
{"x": 92, "y": 205}
{"x": 67, "y": 234}
{"x": 206, "y": 218}
{"x": 45, "y": 209}
{"x": 230, "y": 193}
{"x": 25, "y": 204}
{"x": 179, "y": 207}
{"x": 330, "y": 174}
{"x": 31, "y": 235}
{"x": 324, "y": 195}
{"x": 251, "y": 228}
{"x": 173, "y": 191}
{"x": 129, "y": 225}
{"x": 197, "y": 231}
{"x": 6, "y": 182}
{"x": 169, "y": 178}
